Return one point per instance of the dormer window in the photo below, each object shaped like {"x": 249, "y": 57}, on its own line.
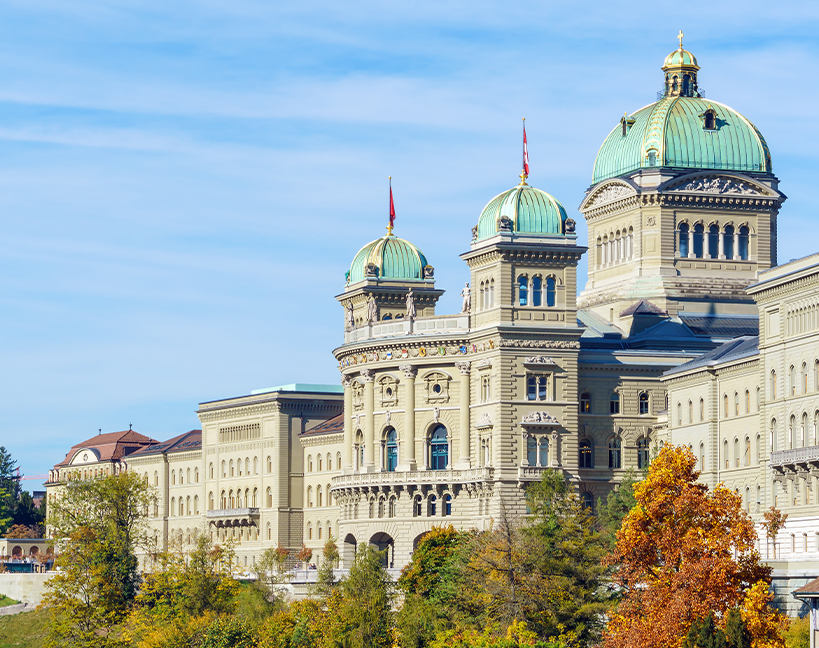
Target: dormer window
{"x": 626, "y": 123}
{"x": 709, "y": 120}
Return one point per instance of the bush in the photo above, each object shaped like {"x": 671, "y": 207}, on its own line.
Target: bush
{"x": 227, "y": 632}
{"x": 798, "y": 633}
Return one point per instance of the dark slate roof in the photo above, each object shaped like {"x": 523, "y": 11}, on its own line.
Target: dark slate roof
{"x": 742, "y": 347}
{"x": 335, "y": 424}
{"x": 111, "y": 446}
{"x": 809, "y": 590}
{"x": 643, "y": 307}
{"x": 183, "y": 443}
{"x": 722, "y": 325}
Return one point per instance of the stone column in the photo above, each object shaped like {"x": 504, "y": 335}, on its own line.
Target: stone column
{"x": 554, "y": 450}
{"x": 368, "y": 375}
{"x": 347, "y": 450}
{"x": 408, "y": 459}
{"x": 464, "y": 458}
{"x": 721, "y": 242}
{"x": 691, "y": 254}
{"x": 736, "y": 244}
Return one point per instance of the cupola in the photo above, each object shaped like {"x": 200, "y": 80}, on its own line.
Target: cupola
{"x": 681, "y": 69}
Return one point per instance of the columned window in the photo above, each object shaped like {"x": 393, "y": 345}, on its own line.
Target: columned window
{"x": 523, "y": 289}
{"x": 586, "y": 454}
{"x": 585, "y": 403}
{"x": 550, "y": 291}
{"x": 536, "y": 291}
{"x": 392, "y": 450}
{"x": 615, "y": 453}
{"x": 438, "y": 448}
{"x": 643, "y": 456}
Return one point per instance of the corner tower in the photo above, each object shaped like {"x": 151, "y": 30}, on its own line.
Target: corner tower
{"x": 683, "y": 205}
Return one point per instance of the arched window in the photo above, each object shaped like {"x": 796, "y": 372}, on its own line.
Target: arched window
{"x": 615, "y": 453}
{"x": 309, "y": 463}
{"x": 173, "y": 477}
{"x": 710, "y": 121}
{"x": 438, "y": 448}
{"x": 793, "y": 380}
{"x": 585, "y": 403}
{"x": 523, "y": 288}
{"x": 702, "y": 456}
{"x": 690, "y": 412}
{"x": 536, "y": 291}
{"x": 746, "y": 457}
{"x": 318, "y": 463}
{"x": 643, "y": 457}
{"x": 679, "y": 413}
{"x": 255, "y": 497}
{"x": 223, "y": 500}
{"x": 699, "y": 235}
{"x": 338, "y": 461}
{"x": 791, "y": 426}
{"x": 586, "y": 454}
{"x": 309, "y": 531}
{"x": 269, "y": 497}
{"x": 329, "y": 461}
{"x": 743, "y": 242}
{"x": 269, "y": 465}
{"x": 318, "y": 530}
{"x": 173, "y": 505}
{"x": 614, "y": 403}
{"x": 417, "y": 506}
{"x": 773, "y": 384}
{"x": 392, "y": 449}
{"x": 586, "y": 500}
{"x": 531, "y": 451}
{"x": 447, "y": 504}
{"x": 803, "y": 431}
{"x": 728, "y": 242}
{"x": 544, "y": 451}
{"x": 725, "y": 456}
{"x": 713, "y": 241}
{"x": 255, "y": 465}
{"x": 758, "y": 398}
{"x": 210, "y": 501}
{"x": 736, "y": 404}
{"x": 736, "y": 452}
{"x": 643, "y": 400}
{"x": 550, "y": 291}
{"x": 329, "y": 496}
{"x": 231, "y": 467}
{"x": 702, "y": 409}
{"x": 773, "y": 435}
{"x": 747, "y": 402}
{"x": 319, "y": 497}
{"x": 682, "y": 244}
{"x": 210, "y": 470}
{"x": 804, "y": 377}
{"x": 309, "y": 497}
{"x": 491, "y": 292}
{"x": 391, "y": 508}
{"x": 432, "y": 503}
{"x": 725, "y": 405}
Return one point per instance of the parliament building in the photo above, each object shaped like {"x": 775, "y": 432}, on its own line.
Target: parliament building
{"x": 686, "y": 331}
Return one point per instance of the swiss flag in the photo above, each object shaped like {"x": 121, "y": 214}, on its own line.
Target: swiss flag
{"x": 525, "y": 153}
{"x": 392, "y": 208}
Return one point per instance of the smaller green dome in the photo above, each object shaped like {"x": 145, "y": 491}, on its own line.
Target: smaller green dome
{"x": 680, "y": 58}
{"x": 529, "y": 210}
{"x": 388, "y": 258}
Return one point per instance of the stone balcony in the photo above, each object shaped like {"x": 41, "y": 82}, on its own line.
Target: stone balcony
{"x": 437, "y": 325}
{"x": 789, "y": 460}
{"x": 234, "y": 517}
{"x": 414, "y": 478}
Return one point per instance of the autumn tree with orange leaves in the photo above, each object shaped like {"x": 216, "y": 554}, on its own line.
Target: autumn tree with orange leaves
{"x": 685, "y": 551}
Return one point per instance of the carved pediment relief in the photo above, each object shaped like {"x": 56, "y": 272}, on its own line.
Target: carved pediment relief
{"x": 719, "y": 185}
{"x": 609, "y": 193}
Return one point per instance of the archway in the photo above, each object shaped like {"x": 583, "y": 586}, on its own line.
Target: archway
{"x": 383, "y": 542}
{"x": 348, "y": 549}
{"x": 417, "y": 540}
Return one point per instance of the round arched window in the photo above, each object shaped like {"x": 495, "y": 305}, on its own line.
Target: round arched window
{"x": 438, "y": 448}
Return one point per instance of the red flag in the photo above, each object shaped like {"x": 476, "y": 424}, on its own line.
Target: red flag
{"x": 392, "y": 209}
{"x": 525, "y": 152}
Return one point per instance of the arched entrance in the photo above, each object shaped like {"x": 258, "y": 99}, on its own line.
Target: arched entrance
{"x": 383, "y": 542}
{"x": 348, "y": 548}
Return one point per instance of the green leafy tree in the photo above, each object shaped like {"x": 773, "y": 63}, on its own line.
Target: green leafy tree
{"x": 6, "y": 512}
{"x": 98, "y": 524}
{"x": 325, "y": 579}
{"x": 612, "y": 511}
{"x": 27, "y": 513}
{"x": 360, "y": 608}
{"x": 9, "y": 489}
{"x": 227, "y": 632}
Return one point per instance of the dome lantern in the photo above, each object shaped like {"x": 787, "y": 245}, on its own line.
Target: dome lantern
{"x": 681, "y": 69}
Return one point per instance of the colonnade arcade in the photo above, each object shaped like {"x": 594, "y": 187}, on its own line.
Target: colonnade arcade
{"x": 714, "y": 241}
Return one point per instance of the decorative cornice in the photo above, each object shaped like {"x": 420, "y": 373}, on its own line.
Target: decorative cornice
{"x": 540, "y": 418}
{"x": 539, "y": 344}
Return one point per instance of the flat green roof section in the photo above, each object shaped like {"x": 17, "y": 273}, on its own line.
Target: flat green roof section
{"x": 303, "y": 388}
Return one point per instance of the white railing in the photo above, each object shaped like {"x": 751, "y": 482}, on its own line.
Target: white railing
{"x": 414, "y": 477}
{"x": 795, "y": 455}
{"x": 403, "y": 327}
{"x": 234, "y": 512}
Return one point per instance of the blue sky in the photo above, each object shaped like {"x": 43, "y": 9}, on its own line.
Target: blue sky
{"x": 183, "y": 185}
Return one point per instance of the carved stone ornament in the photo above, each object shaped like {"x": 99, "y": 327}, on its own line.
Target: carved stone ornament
{"x": 569, "y": 226}
{"x": 371, "y": 270}
{"x": 410, "y": 371}
{"x": 436, "y": 414}
{"x": 651, "y": 221}
{"x": 463, "y": 367}
{"x": 346, "y": 380}
{"x": 484, "y": 421}
{"x": 719, "y": 186}
{"x": 429, "y": 272}
{"x": 540, "y": 418}
{"x": 358, "y": 420}
{"x": 611, "y": 193}
{"x": 542, "y": 360}
{"x": 540, "y": 344}
{"x": 388, "y": 416}
{"x": 475, "y": 232}
{"x": 368, "y": 375}
{"x": 486, "y": 363}
{"x": 505, "y": 224}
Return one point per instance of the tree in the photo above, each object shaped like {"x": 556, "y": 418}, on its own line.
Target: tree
{"x": 325, "y": 579}
{"x": 28, "y": 514}
{"x": 774, "y": 521}
{"x": 269, "y": 570}
{"x": 304, "y": 556}
{"x": 684, "y": 552}
{"x": 360, "y": 608}
{"x": 97, "y": 523}
{"x": 423, "y": 574}
{"x": 20, "y": 531}
{"x": 87, "y": 603}
{"x": 9, "y": 489}
{"x": 612, "y": 511}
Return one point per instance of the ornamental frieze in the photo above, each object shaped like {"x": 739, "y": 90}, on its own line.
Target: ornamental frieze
{"x": 718, "y": 186}
{"x": 610, "y": 194}
{"x": 540, "y": 344}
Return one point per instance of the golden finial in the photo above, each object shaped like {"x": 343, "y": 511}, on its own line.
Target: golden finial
{"x": 680, "y": 37}
{"x": 523, "y": 177}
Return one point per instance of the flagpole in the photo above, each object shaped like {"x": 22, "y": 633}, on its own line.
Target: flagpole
{"x": 524, "y": 171}
{"x": 389, "y": 226}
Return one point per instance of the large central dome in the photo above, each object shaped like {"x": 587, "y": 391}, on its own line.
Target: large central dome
{"x": 682, "y": 129}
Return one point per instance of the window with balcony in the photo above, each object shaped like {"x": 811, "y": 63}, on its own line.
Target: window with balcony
{"x": 438, "y": 448}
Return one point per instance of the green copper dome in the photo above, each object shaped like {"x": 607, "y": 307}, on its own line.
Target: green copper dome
{"x": 529, "y": 210}
{"x": 389, "y": 258}
{"x": 682, "y": 129}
